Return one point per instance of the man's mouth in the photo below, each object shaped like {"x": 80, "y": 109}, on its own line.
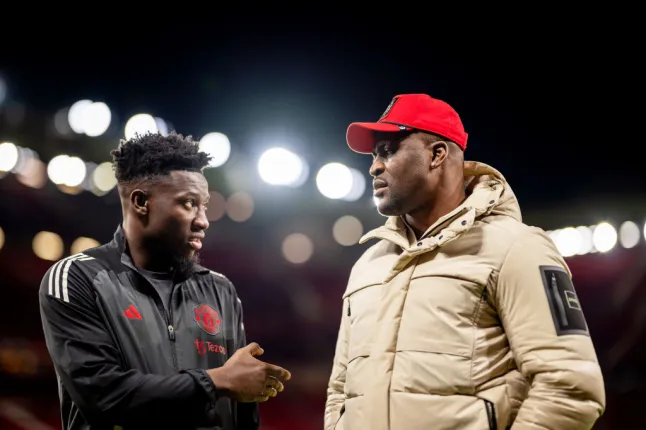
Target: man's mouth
{"x": 379, "y": 187}
{"x": 196, "y": 243}
{"x": 379, "y": 192}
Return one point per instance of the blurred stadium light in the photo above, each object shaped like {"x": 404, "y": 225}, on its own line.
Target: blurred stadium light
{"x": 8, "y": 156}
{"x": 297, "y": 248}
{"x": 217, "y": 206}
{"x": 217, "y": 145}
{"x": 143, "y": 123}
{"x": 347, "y": 230}
{"x": 334, "y": 180}
{"x": 66, "y": 170}
{"x": 102, "y": 179}
{"x": 604, "y": 237}
{"x": 76, "y": 114}
{"x": 48, "y": 245}
{"x": 629, "y": 234}
{"x": 601, "y": 238}
{"x": 278, "y": 166}
{"x": 88, "y": 117}
{"x": 24, "y": 163}
{"x": 570, "y": 241}
{"x": 338, "y": 181}
{"x": 358, "y": 186}
{"x": 96, "y": 119}
{"x": 33, "y": 172}
{"x": 239, "y": 206}
{"x": 81, "y": 244}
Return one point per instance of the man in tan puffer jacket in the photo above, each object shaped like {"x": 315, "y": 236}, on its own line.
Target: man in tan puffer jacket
{"x": 459, "y": 317}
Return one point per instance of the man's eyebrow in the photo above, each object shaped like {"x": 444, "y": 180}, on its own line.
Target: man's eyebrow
{"x": 187, "y": 193}
{"x": 194, "y": 193}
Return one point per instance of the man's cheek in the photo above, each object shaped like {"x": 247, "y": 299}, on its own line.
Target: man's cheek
{"x": 173, "y": 226}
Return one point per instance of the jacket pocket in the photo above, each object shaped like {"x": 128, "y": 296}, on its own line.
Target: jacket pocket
{"x": 491, "y": 414}
{"x": 358, "y": 373}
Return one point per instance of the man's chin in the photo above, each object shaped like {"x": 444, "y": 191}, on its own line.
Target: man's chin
{"x": 385, "y": 208}
{"x": 184, "y": 264}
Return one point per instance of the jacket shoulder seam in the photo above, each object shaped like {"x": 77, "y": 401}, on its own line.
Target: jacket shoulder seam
{"x": 58, "y": 279}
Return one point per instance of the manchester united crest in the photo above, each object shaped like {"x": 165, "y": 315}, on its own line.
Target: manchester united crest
{"x": 207, "y": 318}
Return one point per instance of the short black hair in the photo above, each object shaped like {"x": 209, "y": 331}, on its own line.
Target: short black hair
{"x": 153, "y": 154}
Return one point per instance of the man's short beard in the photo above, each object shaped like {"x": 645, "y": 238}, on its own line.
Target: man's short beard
{"x": 183, "y": 266}
{"x": 393, "y": 208}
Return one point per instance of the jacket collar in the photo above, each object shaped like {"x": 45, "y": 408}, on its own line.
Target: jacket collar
{"x": 119, "y": 241}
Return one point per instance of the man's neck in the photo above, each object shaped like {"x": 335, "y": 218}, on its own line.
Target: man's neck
{"x": 422, "y": 219}
{"x": 141, "y": 257}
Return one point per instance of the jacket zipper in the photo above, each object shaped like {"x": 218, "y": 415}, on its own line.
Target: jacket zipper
{"x": 168, "y": 316}
{"x": 171, "y": 330}
{"x": 559, "y": 301}
{"x": 483, "y": 299}
{"x": 491, "y": 414}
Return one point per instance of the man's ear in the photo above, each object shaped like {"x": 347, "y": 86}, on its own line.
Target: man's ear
{"x": 439, "y": 153}
{"x": 139, "y": 201}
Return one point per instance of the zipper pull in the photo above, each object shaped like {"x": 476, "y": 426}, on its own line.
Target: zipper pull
{"x": 171, "y": 333}
{"x": 349, "y": 307}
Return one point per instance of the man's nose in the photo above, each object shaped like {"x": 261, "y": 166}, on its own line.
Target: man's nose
{"x": 377, "y": 168}
{"x": 202, "y": 221}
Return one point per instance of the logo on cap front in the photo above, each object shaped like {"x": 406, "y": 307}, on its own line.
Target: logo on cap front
{"x": 390, "y": 106}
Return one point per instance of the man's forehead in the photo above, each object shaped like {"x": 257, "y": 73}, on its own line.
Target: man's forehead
{"x": 184, "y": 181}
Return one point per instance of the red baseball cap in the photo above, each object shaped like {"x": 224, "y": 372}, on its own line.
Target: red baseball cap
{"x": 409, "y": 112}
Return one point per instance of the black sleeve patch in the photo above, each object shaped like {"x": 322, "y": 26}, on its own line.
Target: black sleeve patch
{"x": 564, "y": 303}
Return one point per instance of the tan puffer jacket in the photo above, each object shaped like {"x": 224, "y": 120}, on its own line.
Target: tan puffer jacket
{"x": 474, "y": 326}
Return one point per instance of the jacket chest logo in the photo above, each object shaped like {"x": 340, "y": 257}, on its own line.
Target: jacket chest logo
{"x": 207, "y": 319}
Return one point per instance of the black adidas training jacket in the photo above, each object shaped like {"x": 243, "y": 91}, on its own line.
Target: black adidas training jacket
{"x": 123, "y": 360}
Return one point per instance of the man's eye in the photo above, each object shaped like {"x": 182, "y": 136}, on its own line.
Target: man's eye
{"x": 190, "y": 203}
{"x": 385, "y": 151}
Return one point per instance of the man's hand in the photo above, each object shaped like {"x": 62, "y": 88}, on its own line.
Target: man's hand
{"x": 247, "y": 379}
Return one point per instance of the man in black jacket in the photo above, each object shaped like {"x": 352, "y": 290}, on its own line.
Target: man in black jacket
{"x": 140, "y": 334}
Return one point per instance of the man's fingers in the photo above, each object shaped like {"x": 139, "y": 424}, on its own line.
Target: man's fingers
{"x": 261, "y": 399}
{"x": 267, "y": 393}
{"x": 255, "y": 349}
{"x": 276, "y": 384}
{"x": 278, "y": 372}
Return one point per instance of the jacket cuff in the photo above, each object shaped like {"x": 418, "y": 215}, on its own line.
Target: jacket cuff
{"x": 205, "y": 384}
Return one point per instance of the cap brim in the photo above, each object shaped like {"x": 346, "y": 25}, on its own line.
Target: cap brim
{"x": 360, "y": 135}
